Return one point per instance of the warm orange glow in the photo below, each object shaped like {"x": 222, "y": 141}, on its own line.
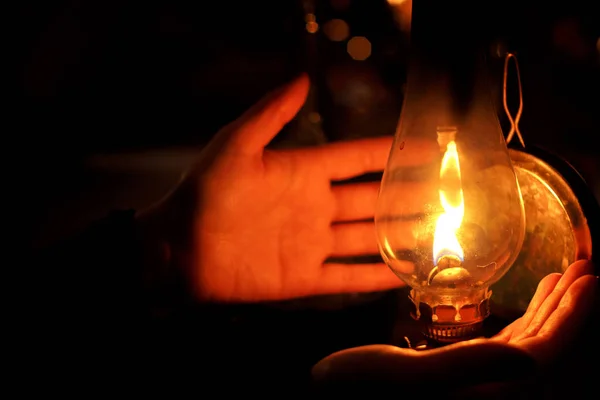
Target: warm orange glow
{"x": 314, "y": 117}
{"x": 312, "y": 27}
{"x": 336, "y": 30}
{"x": 311, "y": 23}
{"x": 402, "y": 10}
{"x": 359, "y": 48}
{"x": 445, "y": 241}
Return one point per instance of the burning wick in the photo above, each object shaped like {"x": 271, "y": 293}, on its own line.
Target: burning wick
{"x": 447, "y": 251}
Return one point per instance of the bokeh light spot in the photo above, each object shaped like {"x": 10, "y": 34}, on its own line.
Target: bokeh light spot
{"x": 359, "y": 48}
{"x": 312, "y": 27}
{"x": 314, "y": 117}
{"x": 336, "y": 30}
{"x": 311, "y": 23}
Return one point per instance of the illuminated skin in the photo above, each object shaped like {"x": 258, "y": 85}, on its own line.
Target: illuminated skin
{"x": 556, "y": 315}
{"x": 261, "y": 229}
{"x": 261, "y": 220}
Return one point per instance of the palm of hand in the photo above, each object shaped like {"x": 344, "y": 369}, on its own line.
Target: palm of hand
{"x": 268, "y": 229}
{"x": 271, "y": 227}
{"x": 264, "y": 221}
{"x": 555, "y": 316}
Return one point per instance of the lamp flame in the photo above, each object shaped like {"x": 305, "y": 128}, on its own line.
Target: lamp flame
{"x": 445, "y": 241}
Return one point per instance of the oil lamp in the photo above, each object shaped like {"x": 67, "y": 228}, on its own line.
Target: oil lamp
{"x": 453, "y": 226}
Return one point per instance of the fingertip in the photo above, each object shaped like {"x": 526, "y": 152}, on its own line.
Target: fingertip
{"x": 299, "y": 82}
{"x": 302, "y": 80}
{"x": 550, "y": 279}
{"x": 581, "y": 267}
{"x": 576, "y": 270}
{"x": 544, "y": 289}
{"x": 289, "y": 98}
{"x": 297, "y": 88}
{"x": 568, "y": 323}
{"x": 261, "y": 123}
{"x": 586, "y": 284}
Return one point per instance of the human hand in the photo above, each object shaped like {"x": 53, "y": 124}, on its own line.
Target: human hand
{"x": 260, "y": 221}
{"x": 531, "y": 344}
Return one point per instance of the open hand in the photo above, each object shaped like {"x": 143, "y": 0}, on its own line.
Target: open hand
{"x": 259, "y": 224}
{"x": 532, "y": 343}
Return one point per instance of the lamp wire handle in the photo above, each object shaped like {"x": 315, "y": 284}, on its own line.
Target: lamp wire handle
{"x": 514, "y": 123}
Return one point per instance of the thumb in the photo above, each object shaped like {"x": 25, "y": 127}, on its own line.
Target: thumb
{"x": 250, "y": 133}
{"x": 448, "y": 368}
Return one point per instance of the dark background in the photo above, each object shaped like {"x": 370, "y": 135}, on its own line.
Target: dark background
{"x": 153, "y": 83}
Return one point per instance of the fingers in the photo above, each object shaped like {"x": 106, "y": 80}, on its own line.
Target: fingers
{"x": 344, "y": 160}
{"x": 505, "y": 334}
{"x": 406, "y": 200}
{"x": 360, "y": 238}
{"x": 573, "y": 307}
{"x": 412, "y": 152}
{"x": 465, "y": 364}
{"x": 536, "y": 318}
{"x": 355, "y": 202}
{"x": 250, "y": 133}
{"x": 563, "y": 325}
{"x": 344, "y": 278}
{"x": 544, "y": 289}
{"x": 354, "y": 239}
